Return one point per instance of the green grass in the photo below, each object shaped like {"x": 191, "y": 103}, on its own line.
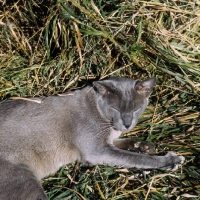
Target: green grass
{"x": 50, "y": 47}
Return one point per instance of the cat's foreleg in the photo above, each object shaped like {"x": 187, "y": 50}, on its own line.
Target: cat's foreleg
{"x": 113, "y": 156}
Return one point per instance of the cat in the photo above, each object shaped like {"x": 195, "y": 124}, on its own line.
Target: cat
{"x": 39, "y": 135}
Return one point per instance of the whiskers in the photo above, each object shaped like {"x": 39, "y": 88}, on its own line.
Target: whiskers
{"x": 110, "y": 123}
{"x": 105, "y": 128}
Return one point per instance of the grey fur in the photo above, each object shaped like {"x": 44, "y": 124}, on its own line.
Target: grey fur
{"x": 40, "y": 135}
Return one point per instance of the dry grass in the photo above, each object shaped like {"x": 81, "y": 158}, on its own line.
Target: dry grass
{"x": 52, "y": 46}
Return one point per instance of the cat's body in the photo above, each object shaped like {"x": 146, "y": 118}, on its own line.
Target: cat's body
{"x": 39, "y": 135}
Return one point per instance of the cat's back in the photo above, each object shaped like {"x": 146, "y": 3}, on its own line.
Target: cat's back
{"x": 17, "y": 107}
{"x": 30, "y": 114}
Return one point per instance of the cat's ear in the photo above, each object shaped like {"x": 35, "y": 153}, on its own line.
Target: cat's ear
{"x": 144, "y": 88}
{"x": 102, "y": 88}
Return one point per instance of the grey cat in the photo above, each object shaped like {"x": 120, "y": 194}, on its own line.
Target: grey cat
{"x": 39, "y": 135}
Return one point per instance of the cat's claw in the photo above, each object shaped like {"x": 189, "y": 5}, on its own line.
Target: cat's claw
{"x": 176, "y": 161}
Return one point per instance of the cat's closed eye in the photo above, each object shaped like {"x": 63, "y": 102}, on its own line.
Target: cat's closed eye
{"x": 136, "y": 109}
{"x": 115, "y": 108}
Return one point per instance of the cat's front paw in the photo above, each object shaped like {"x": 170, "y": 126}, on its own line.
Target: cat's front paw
{"x": 174, "y": 161}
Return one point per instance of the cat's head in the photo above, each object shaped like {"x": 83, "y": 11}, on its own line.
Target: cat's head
{"x": 122, "y": 101}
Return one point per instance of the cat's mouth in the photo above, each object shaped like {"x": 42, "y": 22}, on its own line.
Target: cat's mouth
{"x": 117, "y": 128}
{"x": 123, "y": 130}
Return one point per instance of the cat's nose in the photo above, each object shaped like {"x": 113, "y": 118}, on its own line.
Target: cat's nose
{"x": 127, "y": 125}
{"x": 127, "y": 120}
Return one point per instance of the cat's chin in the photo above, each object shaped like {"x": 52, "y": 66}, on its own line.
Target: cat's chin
{"x": 123, "y": 130}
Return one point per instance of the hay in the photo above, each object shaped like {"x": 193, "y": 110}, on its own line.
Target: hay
{"x": 52, "y": 46}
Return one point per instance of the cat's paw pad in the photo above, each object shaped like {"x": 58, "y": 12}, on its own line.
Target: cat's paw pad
{"x": 175, "y": 161}
{"x": 144, "y": 147}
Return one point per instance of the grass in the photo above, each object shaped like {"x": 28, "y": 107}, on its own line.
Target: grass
{"x": 52, "y": 46}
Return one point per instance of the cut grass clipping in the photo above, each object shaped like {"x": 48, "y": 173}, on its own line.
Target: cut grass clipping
{"x": 47, "y": 47}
